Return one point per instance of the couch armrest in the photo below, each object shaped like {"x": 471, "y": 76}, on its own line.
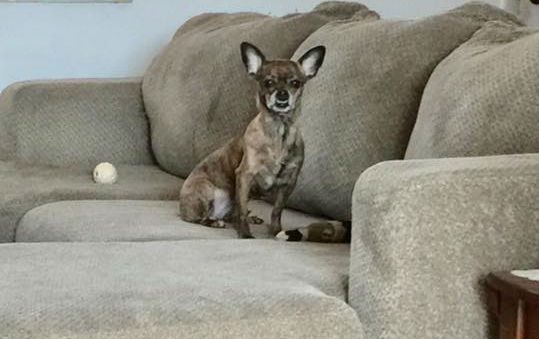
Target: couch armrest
{"x": 74, "y": 122}
{"x": 426, "y": 233}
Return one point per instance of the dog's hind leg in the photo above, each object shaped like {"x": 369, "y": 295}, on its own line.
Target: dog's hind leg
{"x": 219, "y": 209}
{"x": 203, "y": 203}
{"x": 193, "y": 210}
{"x": 221, "y": 205}
{"x": 212, "y": 223}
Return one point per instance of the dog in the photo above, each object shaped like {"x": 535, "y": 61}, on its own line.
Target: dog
{"x": 264, "y": 161}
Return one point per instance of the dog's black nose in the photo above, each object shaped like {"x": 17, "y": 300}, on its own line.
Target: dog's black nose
{"x": 282, "y": 95}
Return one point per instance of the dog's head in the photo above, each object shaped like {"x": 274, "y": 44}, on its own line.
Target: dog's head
{"x": 281, "y": 81}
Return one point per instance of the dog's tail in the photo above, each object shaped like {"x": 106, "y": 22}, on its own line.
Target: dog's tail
{"x": 324, "y": 231}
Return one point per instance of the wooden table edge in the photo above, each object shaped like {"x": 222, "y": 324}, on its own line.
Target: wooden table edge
{"x": 514, "y": 286}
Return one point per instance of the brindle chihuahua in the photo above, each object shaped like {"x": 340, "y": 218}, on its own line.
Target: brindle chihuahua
{"x": 265, "y": 161}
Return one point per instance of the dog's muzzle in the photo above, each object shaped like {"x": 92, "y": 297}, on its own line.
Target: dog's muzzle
{"x": 282, "y": 99}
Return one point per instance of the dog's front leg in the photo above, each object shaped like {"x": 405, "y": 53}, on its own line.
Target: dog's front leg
{"x": 286, "y": 182}
{"x": 284, "y": 190}
{"x": 244, "y": 180}
{"x": 281, "y": 197}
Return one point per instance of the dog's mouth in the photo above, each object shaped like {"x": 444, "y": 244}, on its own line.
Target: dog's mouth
{"x": 280, "y": 107}
{"x": 282, "y": 104}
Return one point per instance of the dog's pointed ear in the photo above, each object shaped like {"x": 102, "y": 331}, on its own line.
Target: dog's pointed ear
{"x": 312, "y": 61}
{"x": 252, "y": 58}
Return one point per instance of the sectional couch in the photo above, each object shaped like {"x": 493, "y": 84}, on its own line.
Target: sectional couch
{"x": 424, "y": 133}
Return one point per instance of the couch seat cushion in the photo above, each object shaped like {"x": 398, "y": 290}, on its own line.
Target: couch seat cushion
{"x": 125, "y": 220}
{"x": 24, "y": 187}
{"x": 187, "y": 289}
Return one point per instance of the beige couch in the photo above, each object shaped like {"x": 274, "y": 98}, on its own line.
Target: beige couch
{"x": 423, "y": 133}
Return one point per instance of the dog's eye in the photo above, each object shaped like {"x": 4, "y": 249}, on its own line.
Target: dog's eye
{"x": 268, "y": 83}
{"x": 296, "y": 83}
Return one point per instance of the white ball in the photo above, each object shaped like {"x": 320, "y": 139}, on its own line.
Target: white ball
{"x": 105, "y": 173}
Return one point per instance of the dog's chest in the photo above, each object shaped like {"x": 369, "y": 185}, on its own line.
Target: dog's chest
{"x": 280, "y": 147}
{"x": 281, "y": 156}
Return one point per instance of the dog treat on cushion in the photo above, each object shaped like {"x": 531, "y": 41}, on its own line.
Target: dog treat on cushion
{"x": 197, "y": 94}
{"x": 483, "y": 99}
{"x": 362, "y": 106}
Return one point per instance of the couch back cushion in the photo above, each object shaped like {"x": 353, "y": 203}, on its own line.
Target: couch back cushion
{"x": 197, "y": 93}
{"x": 362, "y": 106}
{"x": 483, "y": 99}
{"x": 75, "y": 123}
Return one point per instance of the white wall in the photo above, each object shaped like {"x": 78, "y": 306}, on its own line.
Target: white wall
{"x": 40, "y": 41}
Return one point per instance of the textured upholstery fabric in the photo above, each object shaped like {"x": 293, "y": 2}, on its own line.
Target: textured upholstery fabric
{"x": 483, "y": 99}
{"x": 121, "y": 220}
{"x": 425, "y": 234}
{"x": 197, "y": 92}
{"x": 183, "y": 289}
{"x": 74, "y": 122}
{"x": 24, "y": 187}
{"x": 362, "y": 106}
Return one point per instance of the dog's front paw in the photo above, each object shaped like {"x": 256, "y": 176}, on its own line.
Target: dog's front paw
{"x": 216, "y": 224}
